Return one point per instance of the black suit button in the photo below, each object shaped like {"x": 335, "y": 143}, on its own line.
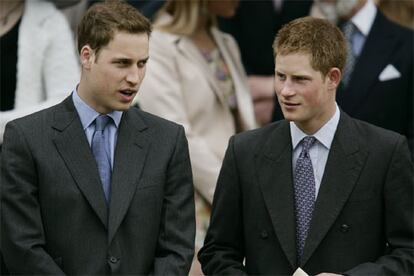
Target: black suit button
{"x": 345, "y": 228}
{"x": 264, "y": 235}
{"x": 113, "y": 259}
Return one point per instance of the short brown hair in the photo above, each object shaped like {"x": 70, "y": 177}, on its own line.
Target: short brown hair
{"x": 102, "y": 20}
{"x": 318, "y": 37}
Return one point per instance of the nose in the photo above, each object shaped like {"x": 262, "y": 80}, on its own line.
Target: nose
{"x": 134, "y": 76}
{"x": 286, "y": 89}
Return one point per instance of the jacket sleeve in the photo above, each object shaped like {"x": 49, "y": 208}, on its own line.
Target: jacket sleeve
{"x": 223, "y": 250}
{"x": 175, "y": 249}
{"x": 22, "y": 233}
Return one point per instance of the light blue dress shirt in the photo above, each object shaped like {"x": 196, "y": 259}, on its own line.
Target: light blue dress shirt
{"x": 319, "y": 151}
{"x": 88, "y": 115}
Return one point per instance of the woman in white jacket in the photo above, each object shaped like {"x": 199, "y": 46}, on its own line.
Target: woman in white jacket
{"x": 195, "y": 78}
{"x": 46, "y": 67}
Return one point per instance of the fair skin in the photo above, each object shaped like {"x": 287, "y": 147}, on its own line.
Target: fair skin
{"x": 306, "y": 97}
{"x": 10, "y": 12}
{"x": 111, "y": 78}
{"x": 262, "y": 95}
{"x": 340, "y": 9}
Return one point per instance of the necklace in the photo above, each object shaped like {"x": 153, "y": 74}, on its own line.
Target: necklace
{"x": 4, "y": 19}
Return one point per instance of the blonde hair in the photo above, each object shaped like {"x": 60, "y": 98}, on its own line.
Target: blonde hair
{"x": 185, "y": 16}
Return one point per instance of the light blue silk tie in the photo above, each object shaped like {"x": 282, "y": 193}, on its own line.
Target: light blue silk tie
{"x": 304, "y": 186}
{"x": 100, "y": 150}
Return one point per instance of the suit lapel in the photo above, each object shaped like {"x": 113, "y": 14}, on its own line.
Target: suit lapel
{"x": 274, "y": 166}
{"x": 71, "y": 143}
{"x": 344, "y": 164}
{"x": 244, "y": 99}
{"x": 130, "y": 154}
{"x": 379, "y": 45}
{"x": 187, "y": 48}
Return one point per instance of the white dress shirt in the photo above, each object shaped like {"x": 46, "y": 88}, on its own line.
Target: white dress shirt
{"x": 363, "y": 20}
{"x": 319, "y": 151}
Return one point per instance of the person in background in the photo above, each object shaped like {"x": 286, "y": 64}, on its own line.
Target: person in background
{"x": 378, "y": 85}
{"x": 401, "y": 12}
{"x": 38, "y": 62}
{"x": 195, "y": 78}
{"x": 148, "y": 8}
{"x": 254, "y": 27}
{"x": 73, "y": 11}
{"x": 91, "y": 186}
{"x": 319, "y": 191}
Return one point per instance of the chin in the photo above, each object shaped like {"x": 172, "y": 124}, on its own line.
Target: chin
{"x": 122, "y": 107}
{"x": 288, "y": 117}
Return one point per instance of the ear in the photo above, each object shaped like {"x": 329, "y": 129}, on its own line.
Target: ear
{"x": 334, "y": 78}
{"x": 87, "y": 56}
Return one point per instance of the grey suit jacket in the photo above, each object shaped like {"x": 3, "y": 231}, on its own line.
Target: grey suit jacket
{"x": 363, "y": 218}
{"x": 54, "y": 216}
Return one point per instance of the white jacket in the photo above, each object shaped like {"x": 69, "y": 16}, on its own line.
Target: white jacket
{"x": 47, "y": 63}
{"x": 180, "y": 86}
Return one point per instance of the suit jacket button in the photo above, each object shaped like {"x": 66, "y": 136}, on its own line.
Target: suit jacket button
{"x": 113, "y": 259}
{"x": 264, "y": 234}
{"x": 345, "y": 228}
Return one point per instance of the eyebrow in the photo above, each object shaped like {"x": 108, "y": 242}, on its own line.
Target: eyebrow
{"x": 144, "y": 59}
{"x": 294, "y": 75}
{"x": 126, "y": 59}
{"x": 302, "y": 76}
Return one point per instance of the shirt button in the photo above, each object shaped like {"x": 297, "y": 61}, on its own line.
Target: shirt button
{"x": 264, "y": 235}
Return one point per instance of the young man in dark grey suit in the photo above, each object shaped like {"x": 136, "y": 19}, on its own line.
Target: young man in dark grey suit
{"x": 92, "y": 186}
{"x": 319, "y": 190}
{"x": 378, "y": 87}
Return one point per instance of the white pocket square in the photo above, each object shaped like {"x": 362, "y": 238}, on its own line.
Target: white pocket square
{"x": 389, "y": 73}
{"x": 300, "y": 272}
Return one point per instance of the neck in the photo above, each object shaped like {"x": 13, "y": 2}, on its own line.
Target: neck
{"x": 202, "y": 37}
{"x": 8, "y": 6}
{"x": 10, "y": 12}
{"x": 312, "y": 126}
{"x": 356, "y": 9}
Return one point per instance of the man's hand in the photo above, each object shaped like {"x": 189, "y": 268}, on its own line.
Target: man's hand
{"x": 262, "y": 91}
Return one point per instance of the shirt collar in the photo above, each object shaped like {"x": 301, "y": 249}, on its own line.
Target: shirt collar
{"x": 324, "y": 135}
{"x": 87, "y": 114}
{"x": 364, "y": 18}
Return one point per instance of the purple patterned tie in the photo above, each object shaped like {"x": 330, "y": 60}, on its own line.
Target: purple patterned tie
{"x": 304, "y": 185}
{"x": 100, "y": 147}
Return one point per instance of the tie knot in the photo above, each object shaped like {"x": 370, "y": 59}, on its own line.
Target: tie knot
{"x": 307, "y": 143}
{"x": 101, "y": 121}
{"x": 349, "y": 29}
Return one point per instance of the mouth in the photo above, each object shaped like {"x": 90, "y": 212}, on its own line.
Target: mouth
{"x": 290, "y": 104}
{"x": 127, "y": 95}
{"x": 128, "y": 92}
